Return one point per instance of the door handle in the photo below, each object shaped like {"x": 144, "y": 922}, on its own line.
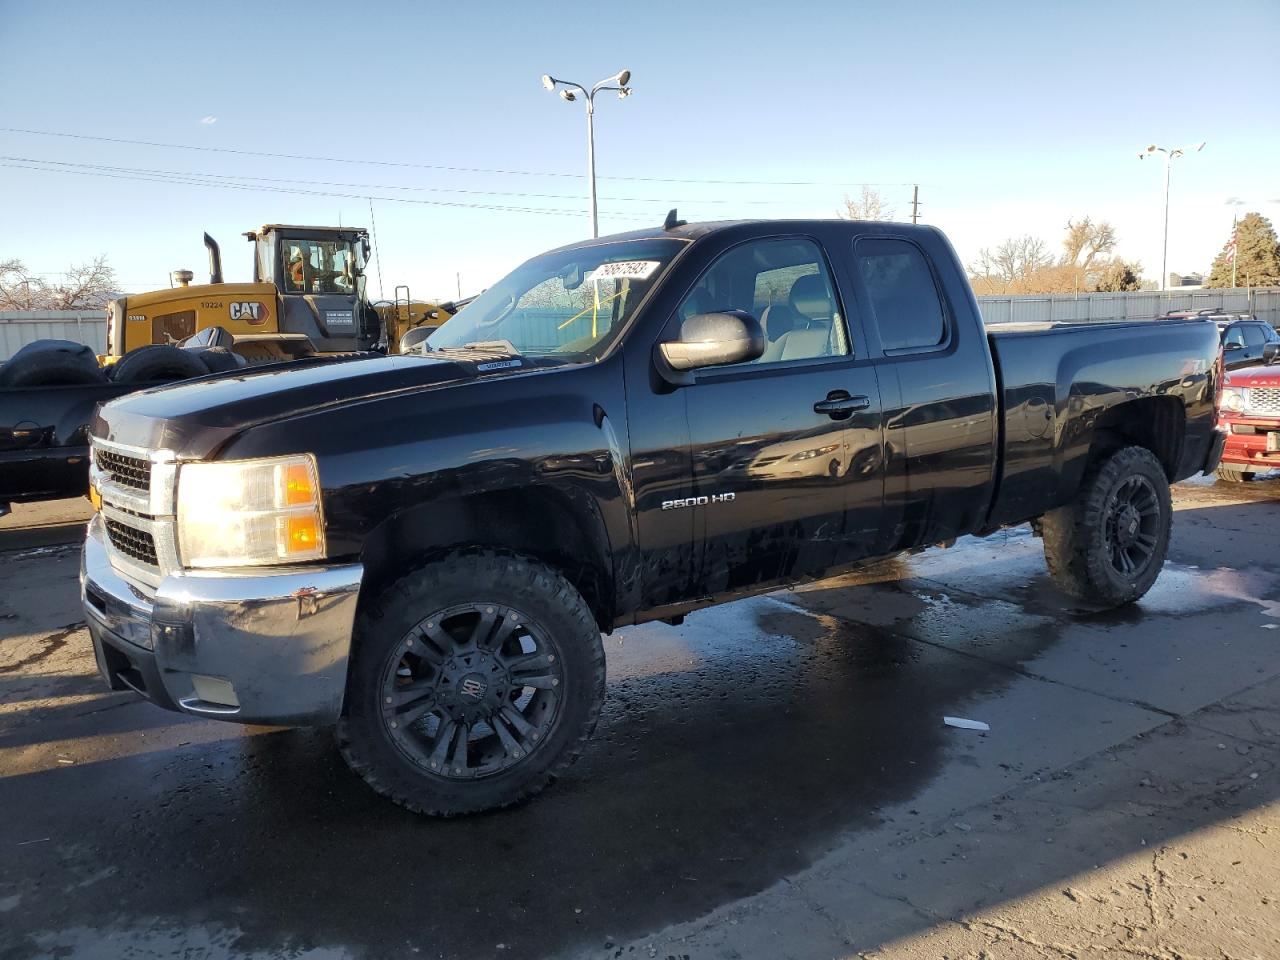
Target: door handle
{"x": 840, "y": 404}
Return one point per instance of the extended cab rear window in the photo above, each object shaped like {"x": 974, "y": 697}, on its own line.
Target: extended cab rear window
{"x": 905, "y": 304}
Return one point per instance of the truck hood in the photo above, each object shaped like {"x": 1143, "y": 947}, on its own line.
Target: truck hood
{"x": 1254, "y": 377}
{"x": 196, "y": 417}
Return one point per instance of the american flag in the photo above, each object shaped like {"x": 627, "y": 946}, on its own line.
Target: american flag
{"x": 1232, "y": 243}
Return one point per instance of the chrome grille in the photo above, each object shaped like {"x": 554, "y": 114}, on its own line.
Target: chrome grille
{"x": 137, "y": 544}
{"x": 132, "y": 472}
{"x": 1264, "y": 400}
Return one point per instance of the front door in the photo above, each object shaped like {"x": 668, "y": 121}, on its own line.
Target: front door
{"x": 786, "y": 450}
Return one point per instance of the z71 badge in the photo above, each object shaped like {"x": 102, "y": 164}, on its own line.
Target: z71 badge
{"x": 697, "y": 501}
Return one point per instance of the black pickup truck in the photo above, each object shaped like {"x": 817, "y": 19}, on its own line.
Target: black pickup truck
{"x": 425, "y": 549}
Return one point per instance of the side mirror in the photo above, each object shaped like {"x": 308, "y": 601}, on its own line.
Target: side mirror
{"x": 1270, "y": 352}
{"x": 713, "y": 339}
{"x": 1228, "y": 347}
{"x": 413, "y": 341}
{"x": 208, "y": 337}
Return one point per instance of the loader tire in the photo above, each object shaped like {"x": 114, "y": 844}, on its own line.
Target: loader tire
{"x": 158, "y": 363}
{"x": 220, "y": 359}
{"x": 51, "y": 363}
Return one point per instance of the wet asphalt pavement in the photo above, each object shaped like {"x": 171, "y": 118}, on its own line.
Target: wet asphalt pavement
{"x": 733, "y": 752}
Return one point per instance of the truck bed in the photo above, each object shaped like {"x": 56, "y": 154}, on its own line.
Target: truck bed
{"x": 1060, "y": 383}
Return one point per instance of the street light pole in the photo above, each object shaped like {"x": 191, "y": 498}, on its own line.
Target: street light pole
{"x": 591, "y": 163}
{"x": 566, "y": 88}
{"x": 1169, "y": 157}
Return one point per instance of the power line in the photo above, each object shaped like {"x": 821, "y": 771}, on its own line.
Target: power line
{"x": 377, "y": 186}
{"x": 433, "y": 166}
{"x": 504, "y": 208}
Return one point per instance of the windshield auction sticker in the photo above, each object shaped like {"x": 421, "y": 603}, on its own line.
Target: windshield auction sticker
{"x": 625, "y": 270}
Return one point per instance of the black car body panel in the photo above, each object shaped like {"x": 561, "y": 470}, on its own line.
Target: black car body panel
{"x": 44, "y": 439}
{"x": 656, "y": 497}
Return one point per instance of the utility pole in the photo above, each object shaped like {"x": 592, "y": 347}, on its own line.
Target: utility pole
{"x": 915, "y": 203}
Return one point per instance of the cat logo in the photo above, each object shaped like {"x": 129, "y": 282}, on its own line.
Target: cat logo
{"x": 251, "y": 312}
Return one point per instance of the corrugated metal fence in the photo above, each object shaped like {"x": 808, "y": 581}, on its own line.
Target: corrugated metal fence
{"x": 90, "y": 326}
{"x": 1263, "y": 302}
{"x": 21, "y": 327}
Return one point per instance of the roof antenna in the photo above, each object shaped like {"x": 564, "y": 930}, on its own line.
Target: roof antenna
{"x": 672, "y": 220}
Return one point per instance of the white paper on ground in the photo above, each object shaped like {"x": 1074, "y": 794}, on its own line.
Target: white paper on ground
{"x": 964, "y": 724}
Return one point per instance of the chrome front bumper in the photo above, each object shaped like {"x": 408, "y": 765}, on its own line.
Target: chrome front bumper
{"x": 260, "y": 647}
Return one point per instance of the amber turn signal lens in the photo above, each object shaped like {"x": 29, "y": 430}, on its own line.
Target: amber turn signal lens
{"x": 297, "y": 485}
{"x": 303, "y": 534}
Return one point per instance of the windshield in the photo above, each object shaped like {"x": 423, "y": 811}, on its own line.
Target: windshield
{"x": 320, "y": 266}
{"x": 571, "y": 303}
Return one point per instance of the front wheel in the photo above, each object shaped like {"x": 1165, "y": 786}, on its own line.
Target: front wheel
{"x": 474, "y": 681}
{"x": 1109, "y": 544}
{"x": 1232, "y": 474}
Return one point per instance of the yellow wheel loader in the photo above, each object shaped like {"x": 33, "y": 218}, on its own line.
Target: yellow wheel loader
{"x": 307, "y": 297}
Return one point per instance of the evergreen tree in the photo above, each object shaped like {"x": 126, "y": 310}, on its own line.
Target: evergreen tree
{"x": 1257, "y": 256}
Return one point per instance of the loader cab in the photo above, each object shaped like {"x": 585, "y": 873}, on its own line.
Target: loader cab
{"x": 318, "y": 273}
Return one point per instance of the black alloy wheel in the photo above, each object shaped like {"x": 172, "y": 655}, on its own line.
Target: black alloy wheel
{"x": 472, "y": 690}
{"x": 1133, "y": 525}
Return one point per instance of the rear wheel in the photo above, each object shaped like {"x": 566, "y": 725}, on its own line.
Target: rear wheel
{"x": 1109, "y": 545}
{"x": 474, "y": 681}
{"x": 1232, "y": 473}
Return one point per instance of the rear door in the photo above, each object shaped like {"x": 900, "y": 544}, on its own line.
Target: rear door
{"x": 938, "y": 385}
{"x": 786, "y": 450}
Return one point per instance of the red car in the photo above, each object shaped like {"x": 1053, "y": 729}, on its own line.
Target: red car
{"x": 1249, "y": 411}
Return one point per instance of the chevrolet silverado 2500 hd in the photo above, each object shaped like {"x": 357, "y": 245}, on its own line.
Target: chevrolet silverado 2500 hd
{"x": 425, "y": 549}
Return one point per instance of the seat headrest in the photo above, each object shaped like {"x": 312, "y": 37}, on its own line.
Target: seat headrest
{"x": 777, "y": 319}
{"x": 810, "y": 297}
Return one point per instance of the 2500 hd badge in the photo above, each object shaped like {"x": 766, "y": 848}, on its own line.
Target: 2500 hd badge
{"x": 697, "y": 501}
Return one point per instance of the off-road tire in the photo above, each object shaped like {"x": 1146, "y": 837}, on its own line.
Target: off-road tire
{"x": 51, "y": 363}
{"x": 1077, "y": 548}
{"x": 465, "y": 577}
{"x": 1232, "y": 473}
{"x": 220, "y": 359}
{"x": 158, "y": 363}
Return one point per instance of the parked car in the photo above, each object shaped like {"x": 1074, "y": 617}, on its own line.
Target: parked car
{"x": 1244, "y": 337}
{"x": 426, "y": 549}
{"x": 48, "y": 392}
{"x": 1249, "y": 413}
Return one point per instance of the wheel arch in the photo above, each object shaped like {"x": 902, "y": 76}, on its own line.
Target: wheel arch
{"x": 1157, "y": 423}
{"x": 562, "y": 528}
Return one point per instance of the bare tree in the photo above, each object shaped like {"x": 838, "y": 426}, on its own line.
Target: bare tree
{"x": 1010, "y": 267}
{"x": 869, "y": 206}
{"x": 87, "y": 286}
{"x": 19, "y": 290}
{"x": 1088, "y": 240}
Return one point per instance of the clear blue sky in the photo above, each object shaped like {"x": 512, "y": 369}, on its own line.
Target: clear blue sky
{"x": 1012, "y": 117}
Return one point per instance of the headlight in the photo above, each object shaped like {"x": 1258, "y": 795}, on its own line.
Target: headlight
{"x": 246, "y": 512}
{"x": 814, "y": 453}
{"x": 1232, "y": 400}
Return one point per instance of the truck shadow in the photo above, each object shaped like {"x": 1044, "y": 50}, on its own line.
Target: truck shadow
{"x": 732, "y": 752}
